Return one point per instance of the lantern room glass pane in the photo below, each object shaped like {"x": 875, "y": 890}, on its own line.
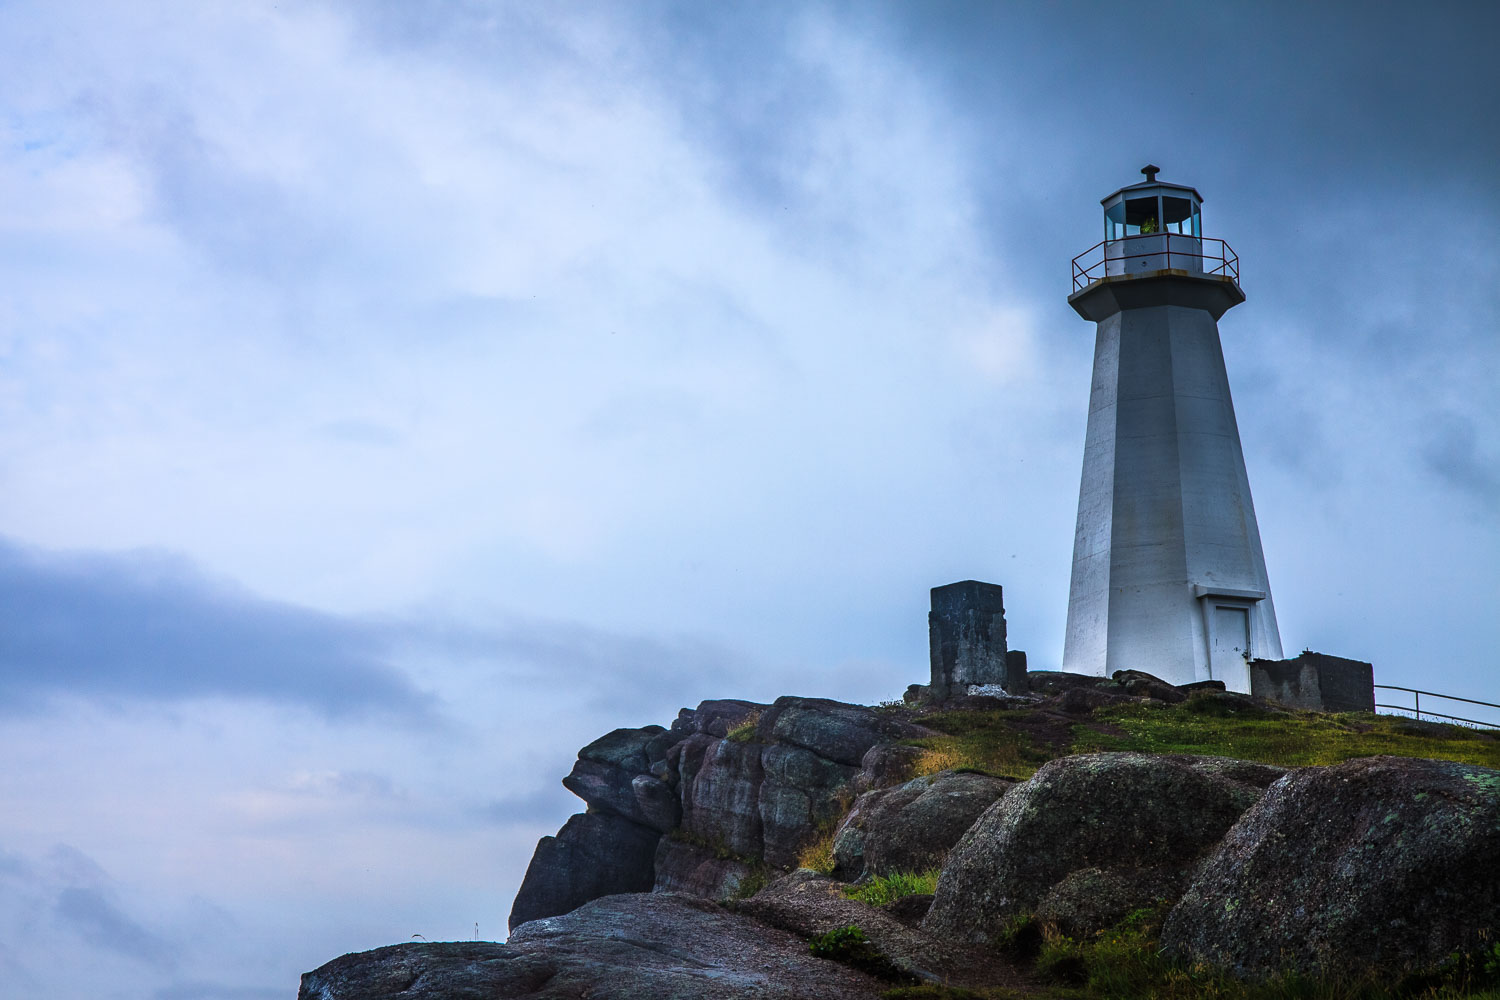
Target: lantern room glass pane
{"x": 1114, "y": 221}
{"x": 1180, "y": 215}
{"x": 1142, "y": 216}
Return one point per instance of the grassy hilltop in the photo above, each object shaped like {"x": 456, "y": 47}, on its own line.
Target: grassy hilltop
{"x": 1015, "y": 742}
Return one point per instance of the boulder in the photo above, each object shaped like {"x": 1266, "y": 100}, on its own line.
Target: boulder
{"x": 1082, "y": 700}
{"x": 664, "y": 946}
{"x": 809, "y": 904}
{"x": 1379, "y": 865}
{"x": 720, "y": 789}
{"x": 695, "y": 869}
{"x": 1140, "y": 684}
{"x": 1051, "y": 682}
{"x": 1107, "y": 811}
{"x": 910, "y": 828}
{"x": 594, "y": 854}
{"x": 803, "y": 795}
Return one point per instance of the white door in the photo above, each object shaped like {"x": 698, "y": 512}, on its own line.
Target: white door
{"x": 1231, "y": 642}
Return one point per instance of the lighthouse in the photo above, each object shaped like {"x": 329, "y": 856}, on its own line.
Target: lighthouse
{"x": 1168, "y": 572}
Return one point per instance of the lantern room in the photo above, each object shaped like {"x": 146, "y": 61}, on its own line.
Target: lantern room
{"x": 1153, "y": 226}
{"x": 1153, "y": 207}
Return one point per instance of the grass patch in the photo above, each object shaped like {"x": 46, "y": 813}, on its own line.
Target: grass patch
{"x": 977, "y": 741}
{"x": 1299, "y": 739}
{"x": 819, "y": 854}
{"x": 744, "y": 731}
{"x": 885, "y": 889}
{"x": 849, "y": 946}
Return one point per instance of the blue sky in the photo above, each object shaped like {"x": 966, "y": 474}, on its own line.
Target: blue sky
{"x": 393, "y": 397}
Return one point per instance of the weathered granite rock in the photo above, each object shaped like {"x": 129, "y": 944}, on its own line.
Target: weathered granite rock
{"x": 1051, "y": 682}
{"x": 910, "y": 828}
{"x": 802, "y": 796}
{"x": 910, "y": 909}
{"x": 886, "y": 764}
{"x": 1140, "y": 684}
{"x": 831, "y": 729}
{"x": 1383, "y": 864}
{"x": 810, "y": 904}
{"x": 594, "y": 854}
{"x": 692, "y": 868}
{"x": 720, "y": 786}
{"x": 656, "y": 802}
{"x": 715, "y": 717}
{"x": 1108, "y": 810}
{"x": 1091, "y": 899}
{"x": 664, "y": 946}
{"x": 613, "y": 774}
{"x": 1082, "y": 700}
{"x": 446, "y": 970}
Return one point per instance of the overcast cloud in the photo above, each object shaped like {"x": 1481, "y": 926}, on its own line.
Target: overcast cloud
{"x": 396, "y": 396}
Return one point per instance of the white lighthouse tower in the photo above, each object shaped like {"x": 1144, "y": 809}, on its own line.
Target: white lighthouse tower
{"x": 1168, "y": 572}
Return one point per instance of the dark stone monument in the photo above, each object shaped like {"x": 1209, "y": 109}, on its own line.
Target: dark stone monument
{"x": 966, "y": 632}
{"x": 1316, "y": 682}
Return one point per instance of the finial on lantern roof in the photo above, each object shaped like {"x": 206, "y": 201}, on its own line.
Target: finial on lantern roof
{"x": 1150, "y": 171}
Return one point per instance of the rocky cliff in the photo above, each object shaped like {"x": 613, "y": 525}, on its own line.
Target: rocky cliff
{"x": 713, "y": 851}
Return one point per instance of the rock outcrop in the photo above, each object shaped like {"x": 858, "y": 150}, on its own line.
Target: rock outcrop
{"x": 1384, "y": 864}
{"x": 675, "y": 881}
{"x": 659, "y": 945}
{"x": 785, "y": 777}
{"x": 1145, "y": 819}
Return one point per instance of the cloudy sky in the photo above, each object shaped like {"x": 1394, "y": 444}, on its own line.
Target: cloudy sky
{"x": 394, "y": 397}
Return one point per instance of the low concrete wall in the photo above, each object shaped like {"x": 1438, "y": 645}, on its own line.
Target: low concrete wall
{"x": 1316, "y": 682}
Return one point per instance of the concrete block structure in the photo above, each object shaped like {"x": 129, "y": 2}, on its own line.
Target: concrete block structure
{"x": 966, "y": 634}
{"x": 1168, "y": 572}
{"x": 1316, "y": 682}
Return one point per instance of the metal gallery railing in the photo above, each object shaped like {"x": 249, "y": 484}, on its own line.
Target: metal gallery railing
{"x": 1094, "y": 263}
{"x": 1416, "y": 706}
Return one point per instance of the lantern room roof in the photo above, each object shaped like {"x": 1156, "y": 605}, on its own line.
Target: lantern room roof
{"x": 1151, "y": 184}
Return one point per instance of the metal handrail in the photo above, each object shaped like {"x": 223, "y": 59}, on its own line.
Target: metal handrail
{"x": 1416, "y": 705}
{"x": 1228, "y": 262}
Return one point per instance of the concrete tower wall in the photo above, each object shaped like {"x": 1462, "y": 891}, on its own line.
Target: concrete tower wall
{"x": 1166, "y": 530}
{"x": 1085, "y": 646}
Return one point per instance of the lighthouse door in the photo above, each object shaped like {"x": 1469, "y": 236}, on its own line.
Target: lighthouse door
{"x": 1231, "y": 642}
